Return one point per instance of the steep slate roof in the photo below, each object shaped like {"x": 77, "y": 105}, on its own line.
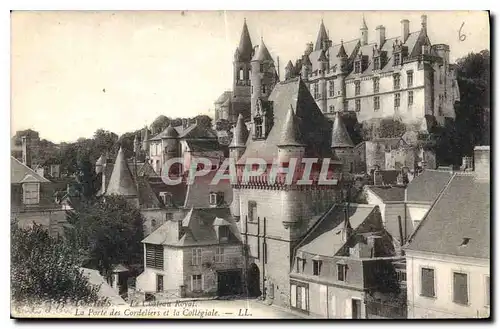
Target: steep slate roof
{"x": 245, "y": 48}
{"x": 197, "y": 194}
{"x": 393, "y": 193}
{"x": 461, "y": 212}
{"x": 427, "y": 186}
{"x": 313, "y": 126}
{"x": 349, "y": 48}
{"x": 19, "y": 171}
{"x": 340, "y": 136}
{"x": 289, "y": 133}
{"x": 240, "y": 136}
{"x": 169, "y": 132}
{"x": 262, "y": 54}
{"x": 196, "y": 131}
{"x": 203, "y": 145}
{"x": 326, "y": 238}
{"x": 121, "y": 181}
{"x": 322, "y": 36}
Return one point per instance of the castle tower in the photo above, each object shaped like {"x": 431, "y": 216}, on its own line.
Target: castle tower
{"x": 240, "y": 136}
{"x": 342, "y": 145}
{"x": 263, "y": 79}
{"x": 306, "y": 65}
{"x": 121, "y": 181}
{"x": 145, "y": 142}
{"x": 344, "y": 70}
{"x": 322, "y": 37}
{"x": 241, "y": 65}
{"x": 171, "y": 150}
{"x": 364, "y": 33}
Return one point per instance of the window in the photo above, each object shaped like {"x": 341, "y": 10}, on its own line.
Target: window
{"x": 376, "y": 103}
{"x": 216, "y": 198}
{"x": 357, "y": 67}
{"x": 298, "y": 297}
{"x": 31, "y": 193}
{"x": 159, "y": 282}
{"x": 341, "y": 272}
{"x": 252, "y": 211}
{"x": 487, "y": 283}
{"x": 397, "y": 100}
{"x": 376, "y": 63}
{"x": 401, "y": 275}
{"x": 261, "y": 67}
{"x": 264, "y": 89}
{"x": 397, "y": 59}
{"x": 332, "y": 108}
{"x": 317, "y": 267}
{"x": 258, "y": 128}
{"x": 241, "y": 75}
{"x": 397, "y": 80}
{"x": 331, "y": 89}
{"x": 196, "y": 256}
{"x": 301, "y": 262}
{"x": 376, "y": 85}
{"x": 223, "y": 233}
{"x": 153, "y": 224}
{"x": 219, "y": 255}
{"x": 252, "y": 89}
{"x": 409, "y": 78}
{"x": 460, "y": 289}
{"x": 357, "y": 87}
{"x": 169, "y": 216}
{"x": 358, "y": 105}
{"x": 166, "y": 198}
{"x": 154, "y": 256}
{"x": 410, "y": 98}
{"x": 427, "y": 283}
{"x": 315, "y": 90}
{"x": 196, "y": 283}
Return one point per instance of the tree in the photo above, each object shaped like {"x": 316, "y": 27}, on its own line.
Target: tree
{"x": 107, "y": 231}
{"x": 203, "y": 120}
{"x": 45, "y": 269}
{"x": 159, "y": 124}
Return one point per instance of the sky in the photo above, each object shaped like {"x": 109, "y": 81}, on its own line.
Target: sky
{"x": 73, "y": 72}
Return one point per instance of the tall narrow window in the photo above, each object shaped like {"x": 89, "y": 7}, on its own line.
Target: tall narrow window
{"x": 397, "y": 80}
{"x": 376, "y": 63}
{"x": 358, "y": 105}
{"x": 261, "y": 67}
{"x": 219, "y": 255}
{"x": 252, "y": 211}
{"x": 31, "y": 193}
{"x": 460, "y": 289}
{"x": 397, "y": 100}
{"x": 332, "y": 108}
{"x": 341, "y": 272}
{"x": 196, "y": 256}
{"x": 197, "y": 282}
{"x": 376, "y": 85}
{"x": 397, "y": 59}
{"x": 300, "y": 265}
{"x": 410, "y": 98}
{"x": 316, "y": 90}
{"x": 357, "y": 87}
{"x": 241, "y": 75}
{"x": 427, "y": 282}
{"x": 357, "y": 67}
{"x": 376, "y": 103}
{"x": 331, "y": 89}
{"x": 317, "y": 267}
{"x": 409, "y": 78}
{"x": 264, "y": 89}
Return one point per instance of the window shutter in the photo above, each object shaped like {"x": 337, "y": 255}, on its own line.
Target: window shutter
{"x": 293, "y": 295}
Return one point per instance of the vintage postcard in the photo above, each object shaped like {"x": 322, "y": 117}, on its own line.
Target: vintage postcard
{"x": 249, "y": 165}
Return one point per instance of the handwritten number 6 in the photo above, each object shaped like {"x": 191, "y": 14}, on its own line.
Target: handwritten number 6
{"x": 461, "y": 36}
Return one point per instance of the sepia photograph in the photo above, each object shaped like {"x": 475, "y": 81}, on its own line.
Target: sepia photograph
{"x": 250, "y": 164}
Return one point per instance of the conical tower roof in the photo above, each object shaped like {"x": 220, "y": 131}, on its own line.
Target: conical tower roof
{"x": 121, "y": 181}
{"x": 245, "y": 48}
{"x": 363, "y": 26}
{"x": 289, "y": 132}
{"x": 322, "y": 36}
{"x": 262, "y": 54}
{"x": 340, "y": 136}
{"x": 289, "y": 66}
{"x": 240, "y": 133}
{"x": 342, "y": 52}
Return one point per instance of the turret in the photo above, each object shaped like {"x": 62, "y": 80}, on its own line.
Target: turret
{"x": 240, "y": 136}
{"x": 171, "y": 146}
{"x": 290, "y": 144}
{"x": 344, "y": 70}
{"x": 322, "y": 37}
{"x": 342, "y": 145}
{"x": 121, "y": 182}
{"x": 289, "y": 70}
{"x": 364, "y": 33}
{"x": 145, "y": 141}
{"x": 306, "y": 67}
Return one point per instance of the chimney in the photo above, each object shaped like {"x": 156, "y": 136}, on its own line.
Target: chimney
{"x": 405, "y": 29}
{"x": 40, "y": 171}
{"x": 423, "y": 19}
{"x": 380, "y": 35}
{"x": 184, "y": 123}
{"x": 482, "y": 162}
{"x": 26, "y": 150}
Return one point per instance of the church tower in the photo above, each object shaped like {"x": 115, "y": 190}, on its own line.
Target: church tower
{"x": 364, "y": 33}
{"x": 241, "y": 67}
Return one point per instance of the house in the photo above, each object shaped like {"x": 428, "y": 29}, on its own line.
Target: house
{"x": 448, "y": 256}
{"x": 345, "y": 267}
{"x": 200, "y": 255}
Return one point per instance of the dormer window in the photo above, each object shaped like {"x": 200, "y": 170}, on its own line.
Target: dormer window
{"x": 216, "y": 198}
{"x": 259, "y": 129}
{"x": 224, "y": 233}
{"x": 357, "y": 66}
{"x": 166, "y": 197}
{"x": 397, "y": 59}
{"x": 31, "y": 193}
{"x": 376, "y": 63}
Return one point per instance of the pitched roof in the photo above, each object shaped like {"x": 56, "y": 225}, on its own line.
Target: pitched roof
{"x": 197, "y": 194}
{"x": 313, "y": 127}
{"x": 19, "y": 171}
{"x": 289, "y": 134}
{"x": 459, "y": 221}
{"x": 169, "y": 132}
{"x": 427, "y": 186}
{"x": 262, "y": 54}
{"x": 326, "y": 238}
{"x": 390, "y": 193}
{"x": 245, "y": 48}
{"x": 340, "y": 136}
{"x": 196, "y": 131}
{"x": 121, "y": 181}
{"x": 240, "y": 136}
{"x": 203, "y": 145}
{"x": 322, "y": 36}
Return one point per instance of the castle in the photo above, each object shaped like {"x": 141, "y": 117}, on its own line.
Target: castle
{"x": 405, "y": 77}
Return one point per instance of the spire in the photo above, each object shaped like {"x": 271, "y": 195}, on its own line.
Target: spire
{"x": 262, "y": 54}
{"x": 364, "y": 27}
{"x": 289, "y": 133}
{"x": 342, "y": 53}
{"x": 289, "y": 66}
{"x": 322, "y": 36}
{"x": 240, "y": 133}
{"x": 121, "y": 181}
{"x": 245, "y": 48}
{"x": 340, "y": 136}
